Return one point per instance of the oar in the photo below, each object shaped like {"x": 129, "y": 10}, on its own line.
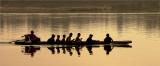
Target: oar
{"x": 13, "y": 41}
{"x": 7, "y": 42}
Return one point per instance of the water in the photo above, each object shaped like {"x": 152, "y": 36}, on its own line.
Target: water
{"x": 142, "y": 28}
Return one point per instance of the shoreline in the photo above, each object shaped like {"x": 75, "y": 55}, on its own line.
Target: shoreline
{"x": 88, "y": 10}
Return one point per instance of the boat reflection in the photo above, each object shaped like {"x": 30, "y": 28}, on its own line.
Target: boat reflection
{"x": 69, "y": 49}
{"x": 30, "y": 50}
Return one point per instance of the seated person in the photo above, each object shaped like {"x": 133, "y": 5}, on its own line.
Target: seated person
{"x": 58, "y": 39}
{"x": 78, "y": 39}
{"x": 32, "y": 37}
{"x": 89, "y": 41}
{"x": 63, "y": 39}
{"x": 69, "y": 39}
{"x": 108, "y": 39}
{"x": 51, "y": 40}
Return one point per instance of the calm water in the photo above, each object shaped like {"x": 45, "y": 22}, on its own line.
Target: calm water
{"x": 143, "y": 29}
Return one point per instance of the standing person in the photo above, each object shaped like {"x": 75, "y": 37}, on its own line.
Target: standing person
{"x": 63, "y": 39}
{"x": 58, "y": 39}
{"x": 51, "y": 40}
{"x": 108, "y": 39}
{"x": 89, "y": 40}
{"x": 69, "y": 38}
{"x": 33, "y": 37}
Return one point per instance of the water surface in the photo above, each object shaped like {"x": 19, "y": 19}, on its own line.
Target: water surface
{"x": 142, "y": 28}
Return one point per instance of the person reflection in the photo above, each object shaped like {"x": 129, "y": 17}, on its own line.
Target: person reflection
{"x": 77, "y": 48}
{"x": 108, "y": 49}
{"x": 58, "y": 49}
{"x": 52, "y": 49}
{"x": 30, "y": 50}
{"x": 89, "y": 48}
{"x": 69, "y": 49}
{"x": 63, "y": 50}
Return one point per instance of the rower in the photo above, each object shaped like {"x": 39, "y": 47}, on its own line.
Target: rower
{"x": 68, "y": 40}
{"x": 89, "y": 40}
{"x": 108, "y": 39}
{"x": 63, "y": 39}
{"x": 51, "y": 40}
{"x": 33, "y": 37}
{"x": 58, "y": 39}
{"x": 78, "y": 39}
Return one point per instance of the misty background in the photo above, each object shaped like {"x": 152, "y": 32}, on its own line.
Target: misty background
{"x": 78, "y": 6}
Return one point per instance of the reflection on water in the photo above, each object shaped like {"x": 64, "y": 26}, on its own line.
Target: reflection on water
{"x": 31, "y": 50}
{"x": 108, "y": 49}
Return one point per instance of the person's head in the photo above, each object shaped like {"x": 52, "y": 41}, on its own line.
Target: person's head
{"x": 78, "y": 34}
{"x": 53, "y": 35}
{"x": 64, "y": 36}
{"x": 70, "y": 34}
{"x": 58, "y": 36}
{"x": 107, "y": 35}
{"x": 32, "y": 32}
{"x": 90, "y": 35}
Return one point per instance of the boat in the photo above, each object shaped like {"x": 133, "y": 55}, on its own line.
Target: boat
{"x": 22, "y": 42}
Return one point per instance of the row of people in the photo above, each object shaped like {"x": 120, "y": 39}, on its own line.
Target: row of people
{"x": 64, "y": 39}
{"x": 34, "y": 39}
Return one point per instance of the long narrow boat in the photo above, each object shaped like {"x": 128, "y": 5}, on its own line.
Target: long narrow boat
{"x": 19, "y": 42}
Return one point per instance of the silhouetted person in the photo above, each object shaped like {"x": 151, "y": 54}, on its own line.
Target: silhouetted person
{"x": 108, "y": 39}
{"x": 89, "y": 48}
{"x": 32, "y": 37}
{"x": 52, "y": 49}
{"x": 89, "y": 41}
{"x": 51, "y": 40}
{"x": 107, "y": 48}
{"x": 63, "y": 39}
{"x": 69, "y": 39}
{"x": 78, "y": 40}
{"x": 58, "y": 39}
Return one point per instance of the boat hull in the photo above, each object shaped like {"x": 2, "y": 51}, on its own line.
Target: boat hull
{"x": 72, "y": 43}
